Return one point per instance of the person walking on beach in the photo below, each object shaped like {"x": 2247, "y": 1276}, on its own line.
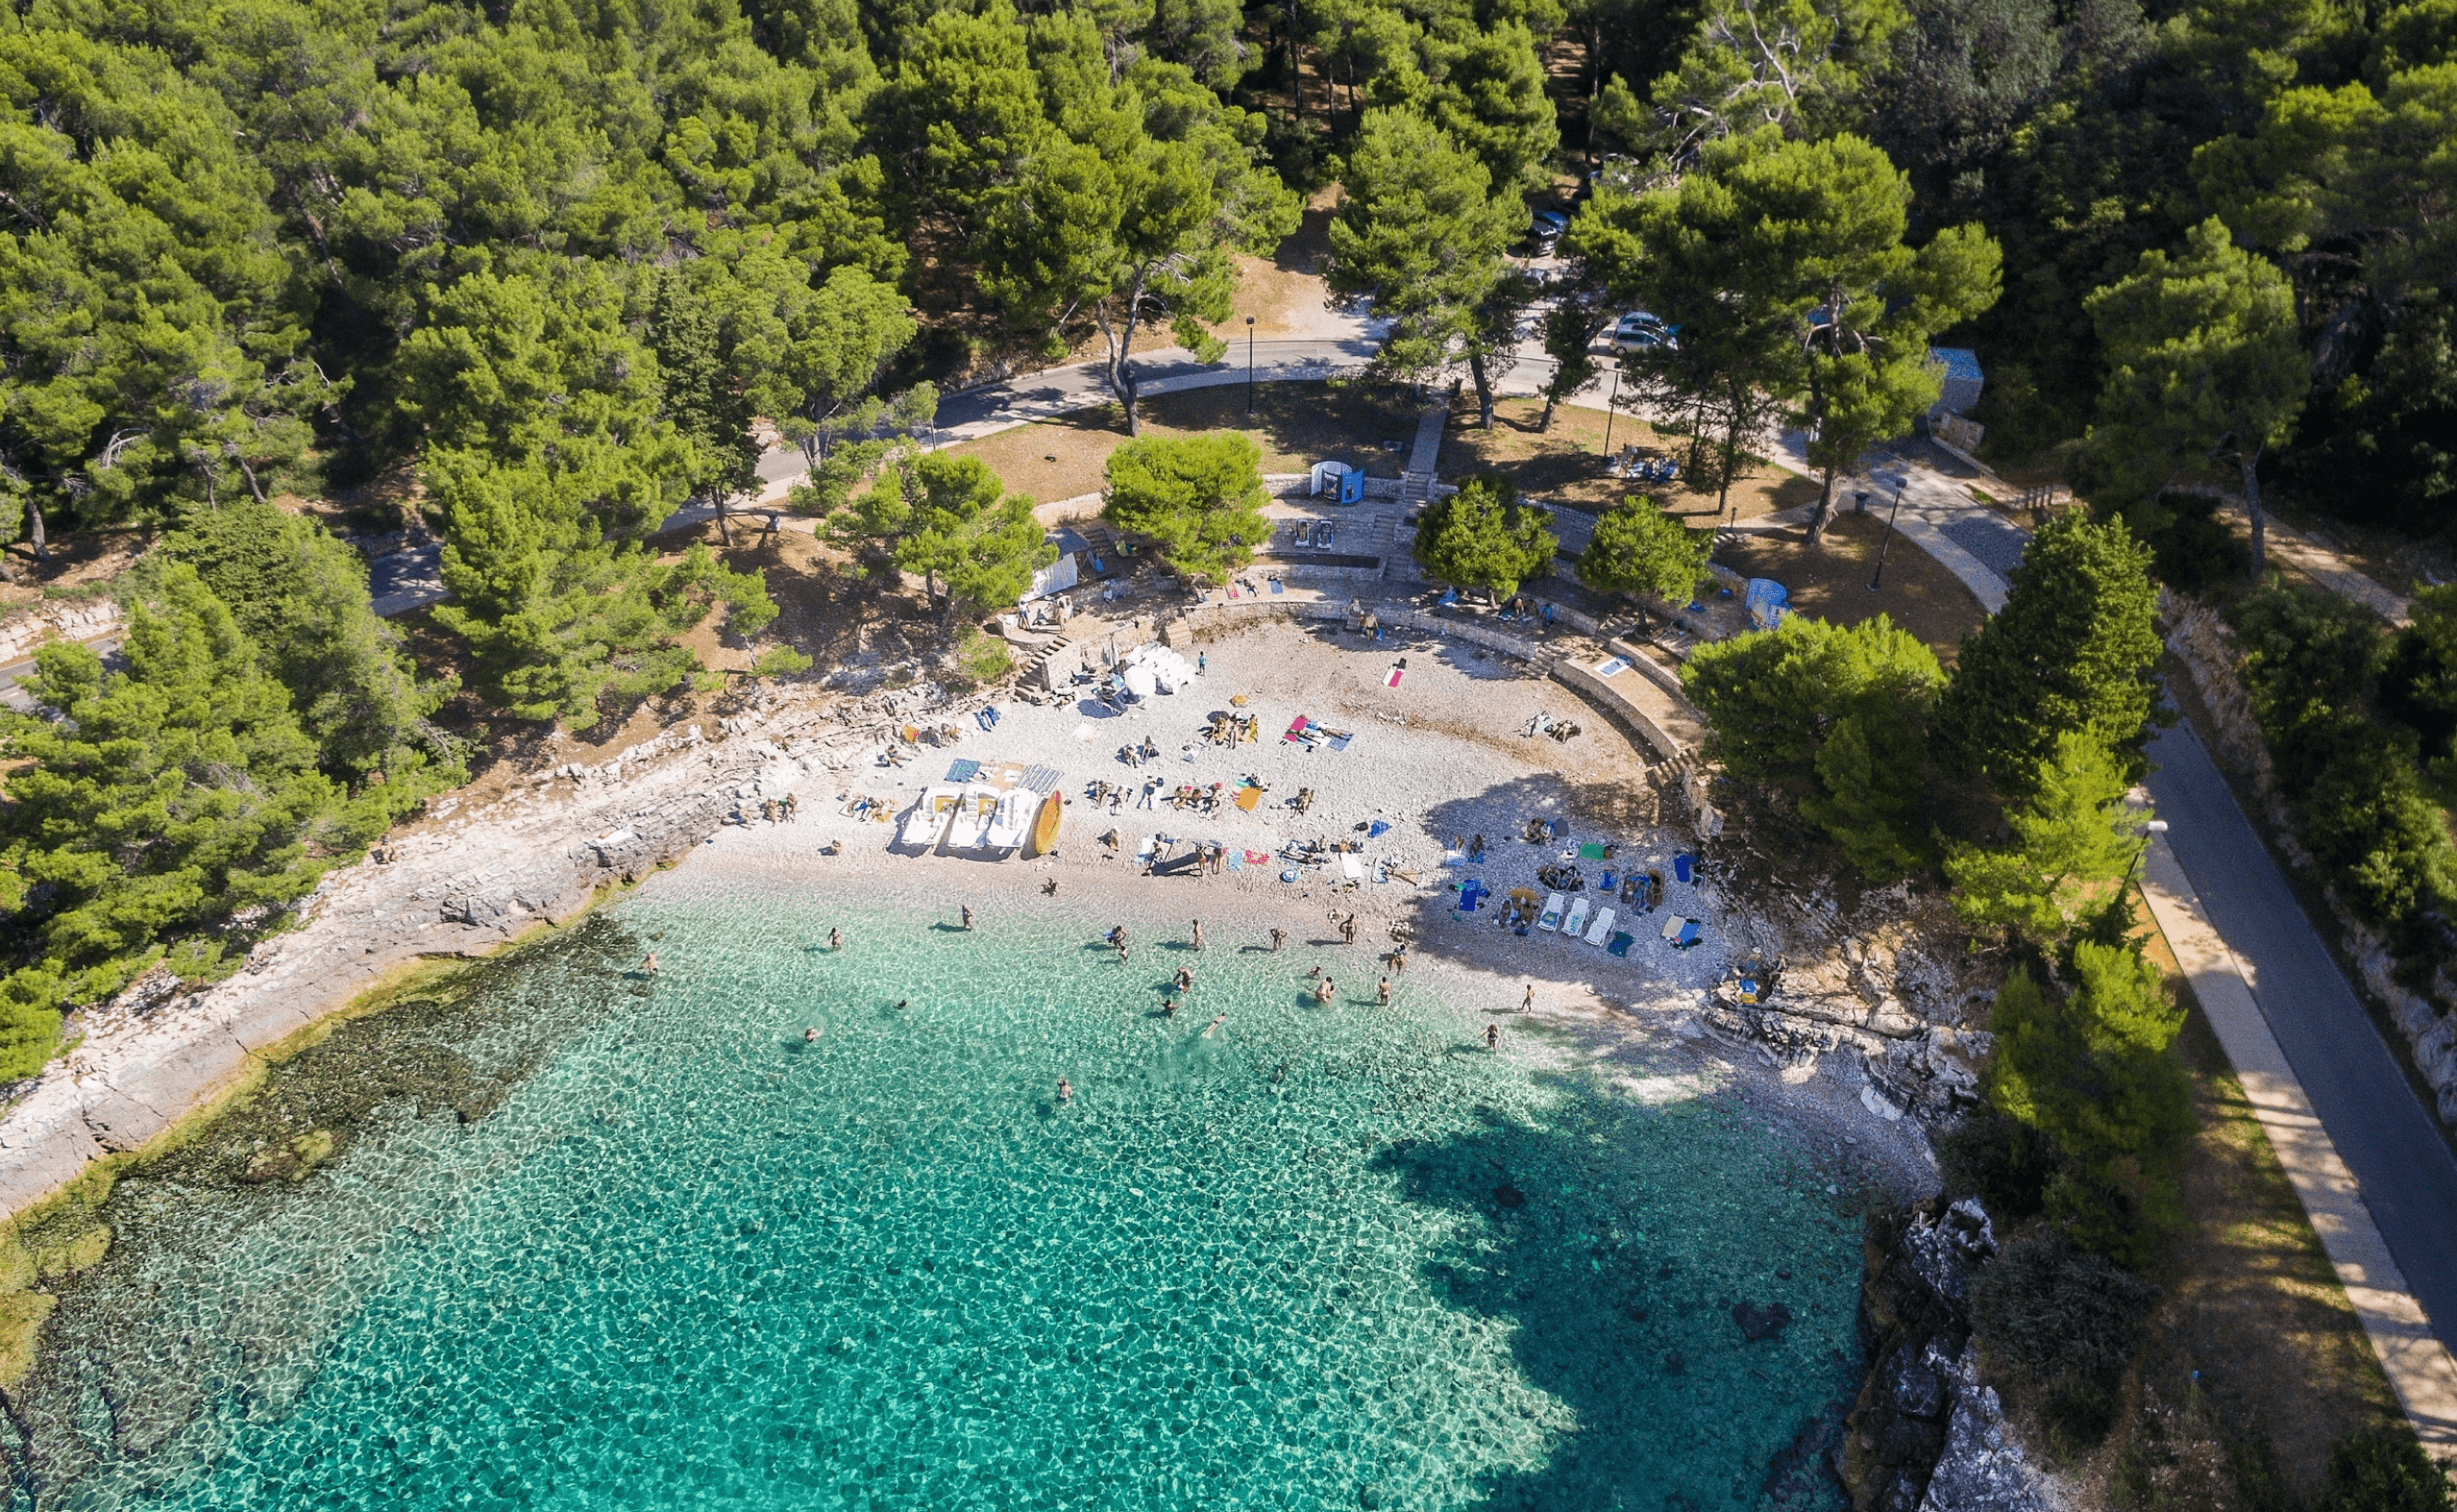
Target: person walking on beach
{"x": 1382, "y": 993}
{"x": 1202, "y": 664}
{"x": 1279, "y": 938}
{"x": 968, "y": 916}
{"x": 1527, "y": 1004}
{"x": 1348, "y": 930}
{"x": 1198, "y": 934}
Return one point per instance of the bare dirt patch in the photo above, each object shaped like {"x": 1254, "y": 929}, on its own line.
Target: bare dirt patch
{"x": 1565, "y": 464}
{"x": 1295, "y": 425}
{"x": 1830, "y": 580}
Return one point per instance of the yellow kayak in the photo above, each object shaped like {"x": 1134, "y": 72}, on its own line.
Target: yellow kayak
{"x": 1044, "y": 829}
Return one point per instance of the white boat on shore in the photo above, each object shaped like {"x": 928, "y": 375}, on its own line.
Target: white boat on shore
{"x": 1013, "y": 821}
{"x": 974, "y": 812}
{"x": 930, "y": 816}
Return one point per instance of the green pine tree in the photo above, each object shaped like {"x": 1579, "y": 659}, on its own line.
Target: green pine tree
{"x": 1639, "y": 548}
{"x": 1483, "y": 537}
{"x": 1199, "y": 497}
{"x": 2076, "y": 648}
{"x": 2073, "y": 837}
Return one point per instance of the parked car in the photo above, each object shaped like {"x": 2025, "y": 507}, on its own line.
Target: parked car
{"x": 1546, "y": 228}
{"x": 1638, "y": 331}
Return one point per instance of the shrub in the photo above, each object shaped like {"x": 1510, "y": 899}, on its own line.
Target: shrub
{"x": 2191, "y": 549}
{"x": 2003, "y": 1162}
{"x": 2383, "y": 1470}
{"x": 2065, "y": 1324}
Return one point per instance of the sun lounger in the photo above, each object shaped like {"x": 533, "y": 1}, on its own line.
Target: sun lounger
{"x": 930, "y": 816}
{"x": 1351, "y": 866}
{"x": 1551, "y": 919}
{"x": 1602, "y": 929}
{"x": 1576, "y": 923}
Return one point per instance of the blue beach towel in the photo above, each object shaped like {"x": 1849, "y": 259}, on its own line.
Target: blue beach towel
{"x": 1340, "y": 742}
{"x": 1681, "y": 866}
{"x": 1275, "y": 585}
{"x": 1376, "y": 830}
{"x": 1619, "y": 946}
{"x": 962, "y": 770}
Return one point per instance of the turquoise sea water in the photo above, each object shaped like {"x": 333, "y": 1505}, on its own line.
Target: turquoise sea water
{"x": 1319, "y": 1258}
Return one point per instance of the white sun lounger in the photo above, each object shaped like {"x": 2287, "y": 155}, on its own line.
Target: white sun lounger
{"x": 1602, "y": 929}
{"x": 1016, "y": 808}
{"x": 1576, "y": 923}
{"x": 1552, "y": 915}
{"x": 1351, "y": 866}
{"x": 930, "y": 816}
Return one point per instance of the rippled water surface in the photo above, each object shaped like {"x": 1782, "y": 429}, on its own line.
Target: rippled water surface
{"x": 1319, "y": 1258}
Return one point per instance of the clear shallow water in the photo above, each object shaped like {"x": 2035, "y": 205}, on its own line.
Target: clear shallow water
{"x": 1322, "y": 1258}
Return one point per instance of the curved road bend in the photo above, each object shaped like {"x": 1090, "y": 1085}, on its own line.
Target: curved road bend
{"x": 2382, "y": 1131}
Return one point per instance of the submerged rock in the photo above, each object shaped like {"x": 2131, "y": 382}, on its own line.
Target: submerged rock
{"x": 1757, "y": 1323}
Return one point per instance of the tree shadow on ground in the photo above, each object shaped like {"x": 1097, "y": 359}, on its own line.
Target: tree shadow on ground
{"x": 1557, "y": 1233}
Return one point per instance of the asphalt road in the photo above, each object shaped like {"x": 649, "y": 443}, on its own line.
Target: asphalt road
{"x": 2382, "y": 1131}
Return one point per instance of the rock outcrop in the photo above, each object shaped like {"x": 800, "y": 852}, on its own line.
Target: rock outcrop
{"x": 1926, "y": 1435}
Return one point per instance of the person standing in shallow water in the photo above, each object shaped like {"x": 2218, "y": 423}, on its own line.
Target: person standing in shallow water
{"x": 1492, "y": 1036}
{"x": 1279, "y": 938}
{"x": 1198, "y": 934}
{"x": 836, "y": 939}
{"x": 968, "y": 916}
{"x": 1066, "y": 1093}
{"x": 1382, "y": 993}
{"x": 1527, "y": 1004}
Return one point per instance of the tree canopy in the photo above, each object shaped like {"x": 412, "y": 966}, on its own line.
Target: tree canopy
{"x": 1483, "y": 537}
{"x": 1639, "y": 548}
{"x": 1199, "y": 498}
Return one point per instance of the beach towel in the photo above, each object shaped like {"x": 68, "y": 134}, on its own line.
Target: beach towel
{"x": 1619, "y": 946}
{"x": 1145, "y": 848}
{"x": 1576, "y": 923}
{"x": 1258, "y": 858}
{"x": 1613, "y": 668}
{"x": 1296, "y": 727}
{"x": 1236, "y": 861}
{"x": 1551, "y": 917}
{"x": 1275, "y": 585}
{"x": 1351, "y": 866}
{"x": 1248, "y": 797}
{"x": 1376, "y": 830}
{"x": 1392, "y": 681}
{"x": 1591, "y": 852}
{"x": 1681, "y": 866}
{"x": 962, "y": 771}
{"x": 1602, "y": 929}
{"x": 1339, "y": 742}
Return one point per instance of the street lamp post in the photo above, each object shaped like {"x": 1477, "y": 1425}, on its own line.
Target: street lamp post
{"x": 1608, "y": 411}
{"x": 1889, "y": 539}
{"x": 1249, "y": 364}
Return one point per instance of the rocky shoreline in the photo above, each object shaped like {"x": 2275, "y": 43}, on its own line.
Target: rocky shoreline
{"x": 453, "y": 886}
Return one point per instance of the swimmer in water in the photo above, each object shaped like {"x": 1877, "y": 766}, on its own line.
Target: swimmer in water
{"x": 1316, "y": 975}
{"x": 649, "y": 965}
{"x": 1213, "y": 1025}
{"x": 1492, "y": 1036}
{"x": 836, "y": 939}
{"x": 1169, "y": 1008}
{"x": 901, "y": 1004}
{"x": 810, "y": 1036}
{"x": 1066, "y": 1093}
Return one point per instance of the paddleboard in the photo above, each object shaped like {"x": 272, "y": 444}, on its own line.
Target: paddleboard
{"x": 1044, "y": 829}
